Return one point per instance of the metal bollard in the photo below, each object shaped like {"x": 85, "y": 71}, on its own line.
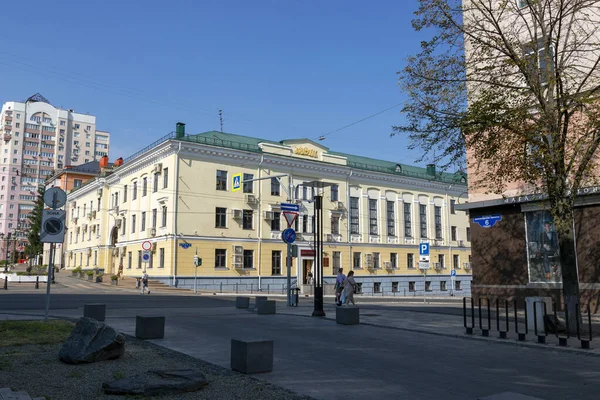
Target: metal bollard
{"x": 469, "y": 329}
{"x": 585, "y": 342}
{"x": 541, "y": 338}
{"x": 485, "y": 332}
{"x": 503, "y": 334}
{"x": 221, "y": 288}
{"x": 37, "y": 282}
{"x": 5, "y": 282}
{"x": 562, "y": 340}
{"x": 268, "y": 288}
{"x": 236, "y": 288}
{"x": 522, "y": 337}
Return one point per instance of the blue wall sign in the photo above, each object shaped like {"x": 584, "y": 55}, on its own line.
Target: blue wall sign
{"x": 423, "y": 249}
{"x": 288, "y": 235}
{"x": 185, "y": 245}
{"x": 453, "y": 273}
{"x": 487, "y": 221}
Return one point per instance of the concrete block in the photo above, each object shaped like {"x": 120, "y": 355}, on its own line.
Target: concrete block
{"x": 242, "y": 302}
{"x": 266, "y": 307}
{"x": 251, "y": 356}
{"x": 347, "y": 315}
{"x": 149, "y": 327}
{"x": 258, "y": 299}
{"x": 95, "y": 311}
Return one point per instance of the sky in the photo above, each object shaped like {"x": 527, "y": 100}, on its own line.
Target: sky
{"x": 278, "y": 69}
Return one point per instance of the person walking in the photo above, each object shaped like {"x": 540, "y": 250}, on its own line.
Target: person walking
{"x": 339, "y": 286}
{"x": 349, "y": 289}
{"x": 145, "y": 283}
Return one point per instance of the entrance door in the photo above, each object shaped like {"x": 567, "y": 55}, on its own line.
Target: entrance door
{"x": 306, "y": 268}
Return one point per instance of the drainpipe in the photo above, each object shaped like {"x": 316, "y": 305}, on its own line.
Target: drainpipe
{"x": 348, "y": 220}
{"x": 262, "y": 158}
{"x": 449, "y": 231}
{"x": 176, "y": 201}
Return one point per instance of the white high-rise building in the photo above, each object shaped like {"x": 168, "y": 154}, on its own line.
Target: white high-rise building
{"x": 38, "y": 140}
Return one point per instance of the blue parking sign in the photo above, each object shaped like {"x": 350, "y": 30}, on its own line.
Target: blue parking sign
{"x": 423, "y": 249}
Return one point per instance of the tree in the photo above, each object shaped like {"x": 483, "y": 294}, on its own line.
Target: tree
{"x": 35, "y": 247}
{"x": 515, "y": 83}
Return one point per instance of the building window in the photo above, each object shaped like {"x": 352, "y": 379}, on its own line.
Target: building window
{"x": 373, "y": 217}
{"x": 155, "y": 182}
{"x": 443, "y": 286}
{"x": 412, "y": 286}
{"x": 125, "y": 194}
{"x": 394, "y": 286}
{"x": 428, "y": 286}
{"x": 129, "y": 260}
{"x": 275, "y": 187}
{"x": 304, "y": 193}
{"x": 220, "y": 257}
{"x": 377, "y": 287}
{"x": 455, "y": 261}
{"x": 335, "y": 192}
{"x": 133, "y": 223}
{"x": 124, "y": 223}
{"x": 165, "y": 178}
{"x": 247, "y": 219}
{"x": 441, "y": 260}
{"x": 457, "y": 285}
{"x": 376, "y": 263}
{"x": 305, "y": 223}
{"x": 452, "y": 206}
{"x": 134, "y": 192}
{"x": 391, "y": 217}
{"x": 164, "y": 217}
{"x": 394, "y": 260}
{"x": 407, "y": 221}
{"x": 423, "y": 220}
{"x": 337, "y": 261}
{"x": 221, "y": 180}
{"x": 221, "y": 218}
{"x": 248, "y": 186}
{"x": 535, "y": 56}
{"x": 437, "y": 212}
{"x": 151, "y": 260}
{"x": 276, "y": 221}
{"x": 95, "y": 257}
{"x": 356, "y": 260}
{"x": 144, "y": 186}
{"x": 453, "y": 233}
{"x": 354, "y": 216}
{"x": 139, "y": 264}
{"x": 248, "y": 258}
{"x": 468, "y": 234}
{"x": 77, "y": 182}
{"x": 143, "y": 221}
{"x": 161, "y": 261}
{"x": 154, "y": 212}
{"x": 410, "y": 261}
{"x": 276, "y": 262}
{"x": 335, "y": 224}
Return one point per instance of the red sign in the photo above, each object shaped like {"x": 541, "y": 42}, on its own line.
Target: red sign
{"x": 290, "y": 217}
{"x": 307, "y": 253}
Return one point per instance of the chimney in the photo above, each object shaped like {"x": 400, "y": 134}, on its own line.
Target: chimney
{"x": 431, "y": 169}
{"x": 104, "y": 162}
{"x": 119, "y": 162}
{"x": 179, "y": 130}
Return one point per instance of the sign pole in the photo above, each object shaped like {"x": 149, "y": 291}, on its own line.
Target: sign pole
{"x": 50, "y": 265}
{"x": 288, "y": 262}
{"x": 196, "y": 273}
{"x": 424, "y": 285}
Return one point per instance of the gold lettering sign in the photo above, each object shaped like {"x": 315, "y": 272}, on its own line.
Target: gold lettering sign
{"x": 304, "y": 151}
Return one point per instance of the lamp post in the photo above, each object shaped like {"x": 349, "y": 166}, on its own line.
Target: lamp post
{"x": 3, "y": 252}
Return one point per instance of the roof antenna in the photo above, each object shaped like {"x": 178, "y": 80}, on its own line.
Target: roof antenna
{"x": 221, "y": 119}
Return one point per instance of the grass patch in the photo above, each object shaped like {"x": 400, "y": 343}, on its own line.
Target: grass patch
{"x": 18, "y": 333}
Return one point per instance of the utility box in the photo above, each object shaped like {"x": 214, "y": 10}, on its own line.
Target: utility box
{"x": 539, "y": 312}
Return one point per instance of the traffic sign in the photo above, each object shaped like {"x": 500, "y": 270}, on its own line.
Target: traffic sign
{"x": 53, "y": 226}
{"x": 146, "y": 256}
{"x": 290, "y": 217}
{"x": 424, "y": 252}
{"x": 424, "y": 265}
{"x": 55, "y": 197}
{"x": 236, "y": 182}
{"x": 487, "y": 221}
{"x": 146, "y": 245}
{"x": 288, "y": 235}
{"x": 290, "y": 207}
{"x": 453, "y": 272}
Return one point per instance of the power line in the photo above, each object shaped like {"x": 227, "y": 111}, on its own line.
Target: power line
{"x": 323, "y": 136}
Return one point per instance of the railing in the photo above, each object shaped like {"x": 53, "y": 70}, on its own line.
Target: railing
{"x": 222, "y": 143}
{"x": 168, "y": 136}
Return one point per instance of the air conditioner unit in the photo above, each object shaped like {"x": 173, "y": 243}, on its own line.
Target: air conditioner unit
{"x": 340, "y": 206}
{"x": 238, "y": 262}
{"x": 152, "y": 231}
{"x": 461, "y": 243}
{"x": 369, "y": 260}
{"x": 237, "y": 214}
{"x": 268, "y": 215}
{"x": 329, "y": 237}
{"x": 438, "y": 265}
{"x": 157, "y": 168}
{"x": 238, "y": 250}
{"x": 116, "y": 209}
{"x": 387, "y": 264}
{"x": 99, "y": 193}
{"x": 299, "y": 236}
{"x": 467, "y": 265}
{"x": 250, "y": 199}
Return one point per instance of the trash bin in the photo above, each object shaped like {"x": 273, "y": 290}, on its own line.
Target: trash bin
{"x": 539, "y": 308}
{"x": 295, "y": 295}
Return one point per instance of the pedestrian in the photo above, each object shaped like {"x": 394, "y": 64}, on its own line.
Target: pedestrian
{"x": 349, "y": 289}
{"x": 339, "y": 286}
{"x": 145, "y": 283}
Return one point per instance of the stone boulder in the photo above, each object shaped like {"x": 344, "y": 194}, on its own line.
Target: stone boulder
{"x": 157, "y": 382}
{"x": 92, "y": 341}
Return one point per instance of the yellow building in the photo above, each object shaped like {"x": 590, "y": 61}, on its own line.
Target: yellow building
{"x": 178, "y": 195}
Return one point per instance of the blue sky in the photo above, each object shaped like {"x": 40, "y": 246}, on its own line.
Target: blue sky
{"x": 278, "y": 69}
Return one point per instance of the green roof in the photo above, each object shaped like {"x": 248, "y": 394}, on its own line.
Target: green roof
{"x": 247, "y": 143}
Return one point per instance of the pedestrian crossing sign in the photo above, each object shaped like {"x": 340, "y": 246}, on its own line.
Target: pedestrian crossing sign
{"x": 237, "y": 182}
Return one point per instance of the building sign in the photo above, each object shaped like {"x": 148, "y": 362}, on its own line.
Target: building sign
{"x": 307, "y": 253}
{"x": 488, "y": 221}
{"x": 305, "y": 151}
{"x": 543, "y": 196}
